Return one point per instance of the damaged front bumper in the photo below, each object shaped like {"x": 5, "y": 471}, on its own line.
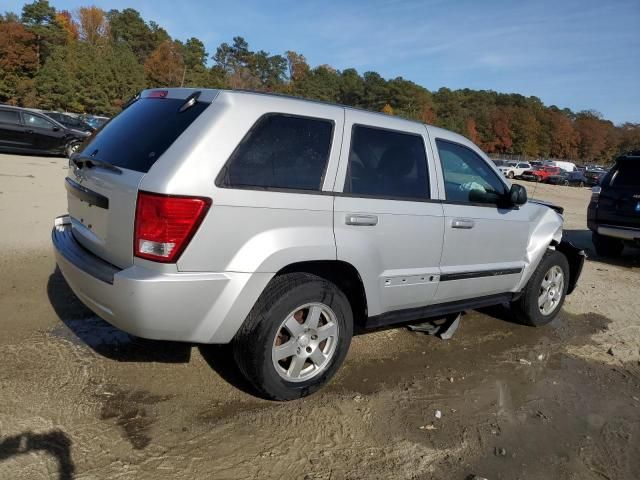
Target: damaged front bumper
{"x": 576, "y": 257}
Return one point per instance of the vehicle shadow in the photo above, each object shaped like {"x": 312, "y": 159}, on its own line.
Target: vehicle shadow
{"x": 83, "y": 327}
{"x": 582, "y": 239}
{"x": 55, "y": 442}
{"x": 220, "y": 359}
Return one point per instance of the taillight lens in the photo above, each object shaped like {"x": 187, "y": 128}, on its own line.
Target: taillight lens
{"x": 165, "y": 224}
{"x": 595, "y": 194}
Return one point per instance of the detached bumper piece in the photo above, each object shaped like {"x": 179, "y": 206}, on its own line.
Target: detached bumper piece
{"x": 443, "y": 328}
{"x": 575, "y": 257}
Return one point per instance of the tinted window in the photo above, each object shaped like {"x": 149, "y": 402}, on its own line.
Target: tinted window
{"x": 36, "y": 121}
{"x": 281, "y": 151}
{"x": 385, "y": 163}
{"x": 467, "y": 177}
{"x": 137, "y": 137}
{"x": 8, "y": 116}
{"x": 627, "y": 174}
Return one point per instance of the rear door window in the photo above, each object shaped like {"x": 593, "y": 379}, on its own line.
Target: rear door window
{"x": 281, "y": 152}
{"x": 627, "y": 174}
{"x": 141, "y": 133}
{"x": 31, "y": 120}
{"x": 9, "y": 116}
{"x": 387, "y": 164}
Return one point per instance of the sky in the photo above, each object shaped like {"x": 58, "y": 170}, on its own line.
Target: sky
{"x": 580, "y": 54}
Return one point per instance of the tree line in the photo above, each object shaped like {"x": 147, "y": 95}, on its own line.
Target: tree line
{"x": 93, "y": 61}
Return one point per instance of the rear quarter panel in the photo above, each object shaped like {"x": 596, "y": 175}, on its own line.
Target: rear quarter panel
{"x": 247, "y": 230}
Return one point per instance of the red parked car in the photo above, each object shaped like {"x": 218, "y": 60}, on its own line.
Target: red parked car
{"x": 540, "y": 174}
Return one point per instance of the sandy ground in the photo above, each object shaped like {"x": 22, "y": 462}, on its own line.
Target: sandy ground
{"x": 79, "y": 399}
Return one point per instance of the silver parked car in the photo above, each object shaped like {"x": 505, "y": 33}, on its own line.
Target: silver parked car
{"x": 279, "y": 224}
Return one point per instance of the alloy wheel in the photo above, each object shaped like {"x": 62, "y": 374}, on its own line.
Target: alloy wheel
{"x": 551, "y": 290}
{"x": 305, "y": 342}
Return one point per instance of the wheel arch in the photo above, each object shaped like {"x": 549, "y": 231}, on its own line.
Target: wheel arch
{"x": 344, "y": 275}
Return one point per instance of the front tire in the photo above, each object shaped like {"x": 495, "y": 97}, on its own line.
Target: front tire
{"x": 510, "y": 175}
{"x": 296, "y": 336}
{"x": 545, "y": 292}
{"x": 607, "y": 246}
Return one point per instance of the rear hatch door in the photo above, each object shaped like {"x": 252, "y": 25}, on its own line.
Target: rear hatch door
{"x": 619, "y": 202}
{"x": 103, "y": 180}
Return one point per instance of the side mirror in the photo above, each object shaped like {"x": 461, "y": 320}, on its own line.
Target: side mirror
{"x": 517, "y": 194}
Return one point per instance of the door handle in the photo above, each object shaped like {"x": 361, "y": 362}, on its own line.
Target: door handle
{"x": 28, "y": 131}
{"x": 464, "y": 223}
{"x": 361, "y": 220}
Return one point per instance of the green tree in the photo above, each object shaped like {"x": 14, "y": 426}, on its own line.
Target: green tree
{"x": 40, "y": 18}
{"x": 128, "y": 27}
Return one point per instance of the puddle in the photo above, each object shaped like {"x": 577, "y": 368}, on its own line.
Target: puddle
{"x": 132, "y": 411}
{"x": 481, "y": 339}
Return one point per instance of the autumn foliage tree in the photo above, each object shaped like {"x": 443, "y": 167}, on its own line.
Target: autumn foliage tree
{"x": 68, "y": 24}
{"x": 92, "y": 25}
{"x": 94, "y": 61}
{"x": 165, "y": 66}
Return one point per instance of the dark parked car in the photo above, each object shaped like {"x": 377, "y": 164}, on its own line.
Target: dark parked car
{"x": 95, "y": 121}
{"x": 614, "y": 211}
{"x": 71, "y": 122}
{"x": 27, "y": 131}
{"x": 574, "y": 179}
{"x": 594, "y": 176}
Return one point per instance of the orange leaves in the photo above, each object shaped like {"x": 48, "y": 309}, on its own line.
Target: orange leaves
{"x": 165, "y": 66}
{"x": 17, "y": 48}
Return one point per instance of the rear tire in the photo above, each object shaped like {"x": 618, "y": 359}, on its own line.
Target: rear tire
{"x": 296, "y": 336}
{"x": 545, "y": 292}
{"x": 510, "y": 175}
{"x": 607, "y": 246}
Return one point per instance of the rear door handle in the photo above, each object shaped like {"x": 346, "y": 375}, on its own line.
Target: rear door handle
{"x": 464, "y": 223}
{"x": 361, "y": 220}
{"x": 29, "y": 131}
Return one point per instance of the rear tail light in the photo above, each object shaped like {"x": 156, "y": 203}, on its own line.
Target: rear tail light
{"x": 165, "y": 224}
{"x": 595, "y": 194}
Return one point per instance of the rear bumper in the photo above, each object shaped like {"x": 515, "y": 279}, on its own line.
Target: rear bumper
{"x": 623, "y": 233}
{"x": 179, "y": 306}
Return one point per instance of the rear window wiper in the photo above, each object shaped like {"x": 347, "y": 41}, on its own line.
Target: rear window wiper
{"x": 84, "y": 161}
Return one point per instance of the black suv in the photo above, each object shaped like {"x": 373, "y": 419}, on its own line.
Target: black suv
{"x": 614, "y": 211}
{"x": 28, "y": 131}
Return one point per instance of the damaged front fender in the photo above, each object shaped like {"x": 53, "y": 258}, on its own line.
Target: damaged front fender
{"x": 546, "y": 229}
{"x": 546, "y": 232}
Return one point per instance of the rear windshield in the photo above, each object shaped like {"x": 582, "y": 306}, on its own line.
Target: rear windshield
{"x": 137, "y": 137}
{"x": 627, "y": 174}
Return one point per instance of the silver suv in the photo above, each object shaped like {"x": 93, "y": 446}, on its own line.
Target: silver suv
{"x": 280, "y": 224}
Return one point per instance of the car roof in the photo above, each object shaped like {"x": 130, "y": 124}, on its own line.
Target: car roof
{"x": 21, "y": 109}
{"x": 211, "y": 93}
{"x": 633, "y": 156}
